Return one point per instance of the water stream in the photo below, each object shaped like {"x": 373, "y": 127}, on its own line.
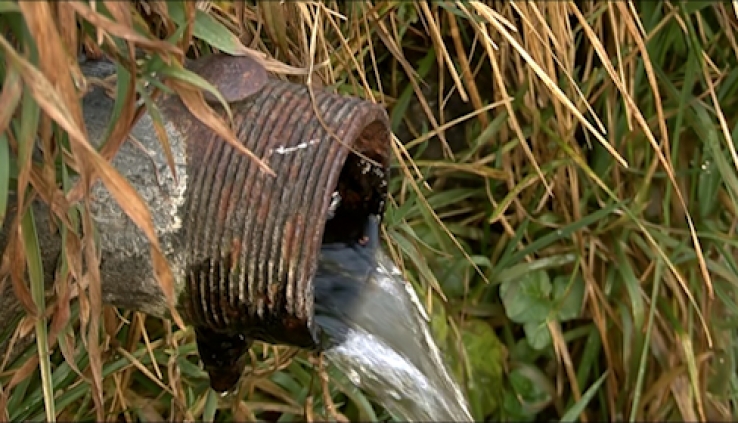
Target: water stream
{"x": 378, "y": 335}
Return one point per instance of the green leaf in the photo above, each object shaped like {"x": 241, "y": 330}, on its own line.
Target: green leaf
{"x": 527, "y": 300}
{"x": 576, "y": 410}
{"x": 439, "y": 327}
{"x": 568, "y": 296}
{"x": 484, "y": 351}
{"x": 514, "y": 410}
{"x": 712, "y": 140}
{"x": 211, "y": 406}
{"x": 709, "y": 183}
{"x": 357, "y": 397}
{"x": 417, "y": 258}
{"x": 692, "y": 6}
{"x": 208, "y": 29}
{"x": 178, "y": 72}
{"x": 528, "y": 385}
{"x": 537, "y": 335}
{"x": 9, "y": 7}
{"x": 123, "y": 81}
{"x": 518, "y": 271}
{"x": 4, "y": 174}
{"x": 36, "y": 276}
{"x": 455, "y": 273}
{"x": 596, "y": 217}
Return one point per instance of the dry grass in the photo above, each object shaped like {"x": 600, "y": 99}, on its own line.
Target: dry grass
{"x": 572, "y": 159}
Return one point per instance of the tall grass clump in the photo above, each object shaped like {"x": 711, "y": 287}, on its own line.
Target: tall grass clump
{"x": 564, "y": 197}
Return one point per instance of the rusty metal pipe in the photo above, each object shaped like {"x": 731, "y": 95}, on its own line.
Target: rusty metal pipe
{"x": 253, "y": 240}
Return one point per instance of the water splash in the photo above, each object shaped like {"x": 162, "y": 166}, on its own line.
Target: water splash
{"x": 378, "y": 335}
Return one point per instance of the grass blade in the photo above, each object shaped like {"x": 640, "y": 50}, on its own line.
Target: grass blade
{"x": 577, "y": 409}
{"x": 38, "y": 292}
{"x": 4, "y": 174}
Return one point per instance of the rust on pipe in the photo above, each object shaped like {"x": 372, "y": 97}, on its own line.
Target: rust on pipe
{"x": 254, "y": 240}
{"x": 236, "y": 78}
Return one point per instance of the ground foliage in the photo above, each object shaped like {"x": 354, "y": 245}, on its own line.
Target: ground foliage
{"x": 564, "y": 198}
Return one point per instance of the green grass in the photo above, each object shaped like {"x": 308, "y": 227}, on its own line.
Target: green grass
{"x": 571, "y": 225}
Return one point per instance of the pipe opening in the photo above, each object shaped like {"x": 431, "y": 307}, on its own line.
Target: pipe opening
{"x": 361, "y": 190}
{"x": 351, "y": 234}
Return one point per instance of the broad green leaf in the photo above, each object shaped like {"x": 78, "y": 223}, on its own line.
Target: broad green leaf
{"x": 484, "y": 352}
{"x": 527, "y": 300}
{"x": 568, "y": 296}
{"x": 528, "y": 388}
{"x": 514, "y": 410}
{"x": 537, "y": 335}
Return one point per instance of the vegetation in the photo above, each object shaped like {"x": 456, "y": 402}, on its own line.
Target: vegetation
{"x": 565, "y": 198}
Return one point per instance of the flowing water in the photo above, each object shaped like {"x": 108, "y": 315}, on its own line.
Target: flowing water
{"x": 378, "y": 334}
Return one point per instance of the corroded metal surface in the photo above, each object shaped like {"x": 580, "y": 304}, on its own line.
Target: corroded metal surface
{"x": 253, "y": 240}
{"x": 236, "y": 77}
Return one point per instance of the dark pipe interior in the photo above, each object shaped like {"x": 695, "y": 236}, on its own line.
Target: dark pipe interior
{"x": 362, "y": 188}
